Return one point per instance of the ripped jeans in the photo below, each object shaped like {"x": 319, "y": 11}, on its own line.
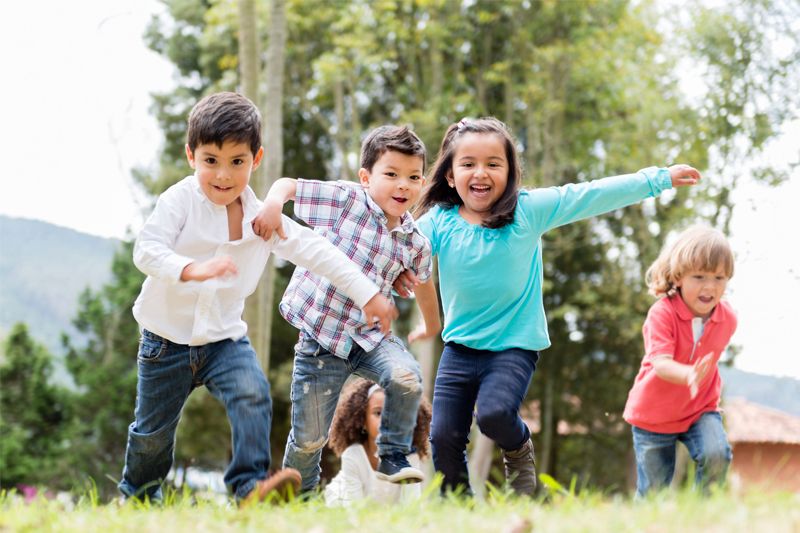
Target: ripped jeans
{"x": 317, "y": 380}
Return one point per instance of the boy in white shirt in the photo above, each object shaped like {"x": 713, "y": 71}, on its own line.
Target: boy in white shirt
{"x": 202, "y": 260}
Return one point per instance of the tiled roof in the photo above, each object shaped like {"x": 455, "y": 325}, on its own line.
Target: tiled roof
{"x": 750, "y": 422}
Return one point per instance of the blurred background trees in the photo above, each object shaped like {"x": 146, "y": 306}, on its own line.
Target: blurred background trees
{"x": 589, "y": 88}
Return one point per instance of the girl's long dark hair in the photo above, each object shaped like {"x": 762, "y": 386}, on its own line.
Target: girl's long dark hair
{"x": 348, "y": 421}
{"x": 439, "y": 192}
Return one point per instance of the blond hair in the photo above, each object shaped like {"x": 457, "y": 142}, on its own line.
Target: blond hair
{"x": 697, "y": 248}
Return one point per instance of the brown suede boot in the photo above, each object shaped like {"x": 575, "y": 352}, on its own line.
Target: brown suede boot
{"x": 520, "y": 469}
{"x": 281, "y": 486}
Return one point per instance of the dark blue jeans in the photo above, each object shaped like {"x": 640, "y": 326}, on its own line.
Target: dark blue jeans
{"x": 655, "y": 454}
{"x": 168, "y": 373}
{"x": 494, "y": 385}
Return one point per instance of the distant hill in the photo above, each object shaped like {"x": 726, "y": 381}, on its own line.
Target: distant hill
{"x": 779, "y": 393}
{"x": 43, "y": 270}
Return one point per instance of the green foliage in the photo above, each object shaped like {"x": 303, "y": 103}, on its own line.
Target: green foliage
{"x": 35, "y": 416}
{"x": 104, "y": 370}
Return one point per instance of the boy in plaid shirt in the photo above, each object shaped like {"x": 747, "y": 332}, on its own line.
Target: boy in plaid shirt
{"x": 371, "y": 224}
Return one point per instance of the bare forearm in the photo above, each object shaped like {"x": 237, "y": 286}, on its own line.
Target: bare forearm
{"x": 669, "y": 370}
{"x": 428, "y": 304}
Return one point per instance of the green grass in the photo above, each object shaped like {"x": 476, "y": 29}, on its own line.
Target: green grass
{"x": 682, "y": 511}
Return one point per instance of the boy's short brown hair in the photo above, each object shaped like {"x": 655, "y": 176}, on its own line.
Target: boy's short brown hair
{"x": 384, "y": 138}
{"x": 224, "y": 116}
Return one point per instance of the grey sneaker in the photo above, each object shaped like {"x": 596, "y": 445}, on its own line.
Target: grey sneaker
{"x": 521, "y": 469}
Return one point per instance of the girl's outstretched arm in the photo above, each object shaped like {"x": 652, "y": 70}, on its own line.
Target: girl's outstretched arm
{"x": 552, "y": 207}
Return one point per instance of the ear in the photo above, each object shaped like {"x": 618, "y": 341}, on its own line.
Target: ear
{"x": 363, "y": 176}
{"x": 189, "y": 156}
{"x": 449, "y": 177}
{"x": 257, "y": 159}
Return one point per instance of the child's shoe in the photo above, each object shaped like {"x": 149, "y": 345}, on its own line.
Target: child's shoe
{"x": 396, "y": 469}
{"x": 520, "y": 469}
{"x": 281, "y": 486}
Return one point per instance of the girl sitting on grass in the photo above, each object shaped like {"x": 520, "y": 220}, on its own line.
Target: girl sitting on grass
{"x": 353, "y": 437}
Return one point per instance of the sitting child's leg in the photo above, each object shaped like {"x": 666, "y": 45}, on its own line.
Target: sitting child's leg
{"x": 505, "y": 378}
{"x": 164, "y": 383}
{"x": 708, "y": 446}
{"x": 231, "y": 372}
{"x": 317, "y": 380}
{"x": 655, "y": 459}
{"x": 399, "y": 375}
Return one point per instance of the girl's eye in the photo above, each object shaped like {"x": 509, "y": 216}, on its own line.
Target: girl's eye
{"x": 415, "y": 178}
{"x": 391, "y": 174}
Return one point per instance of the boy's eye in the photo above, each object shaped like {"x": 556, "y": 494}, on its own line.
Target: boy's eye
{"x": 415, "y": 177}
{"x": 238, "y": 162}
{"x": 210, "y": 160}
{"x": 391, "y": 174}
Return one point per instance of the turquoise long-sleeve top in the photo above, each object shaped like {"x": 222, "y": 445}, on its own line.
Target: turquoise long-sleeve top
{"x": 490, "y": 280}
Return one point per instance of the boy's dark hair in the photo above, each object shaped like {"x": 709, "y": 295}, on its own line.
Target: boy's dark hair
{"x": 224, "y": 117}
{"x": 384, "y": 138}
{"x": 439, "y": 191}
{"x": 347, "y": 427}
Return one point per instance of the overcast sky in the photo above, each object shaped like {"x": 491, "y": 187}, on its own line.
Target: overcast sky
{"x": 75, "y": 112}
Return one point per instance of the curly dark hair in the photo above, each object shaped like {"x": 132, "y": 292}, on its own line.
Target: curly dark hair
{"x": 348, "y": 420}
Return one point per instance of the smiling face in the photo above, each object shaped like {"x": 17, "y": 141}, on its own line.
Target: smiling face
{"x": 479, "y": 174}
{"x": 702, "y": 290}
{"x": 394, "y": 183}
{"x": 223, "y": 172}
{"x": 374, "y": 410}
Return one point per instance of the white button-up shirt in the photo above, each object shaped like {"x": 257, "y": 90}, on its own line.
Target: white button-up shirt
{"x": 187, "y": 227}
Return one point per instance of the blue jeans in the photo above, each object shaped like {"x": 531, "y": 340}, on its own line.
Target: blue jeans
{"x": 495, "y": 385}
{"x": 168, "y": 373}
{"x": 655, "y": 454}
{"x": 317, "y": 380}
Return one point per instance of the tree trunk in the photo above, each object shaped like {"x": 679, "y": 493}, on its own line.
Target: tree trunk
{"x": 480, "y": 462}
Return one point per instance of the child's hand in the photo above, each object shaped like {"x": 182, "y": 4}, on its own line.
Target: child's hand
{"x": 269, "y": 220}
{"x": 379, "y": 309}
{"x": 698, "y": 373}
{"x": 683, "y": 175}
{"x": 421, "y": 332}
{"x": 405, "y": 283}
{"x": 216, "y": 267}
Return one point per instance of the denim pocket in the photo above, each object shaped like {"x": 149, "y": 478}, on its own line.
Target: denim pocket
{"x": 151, "y": 347}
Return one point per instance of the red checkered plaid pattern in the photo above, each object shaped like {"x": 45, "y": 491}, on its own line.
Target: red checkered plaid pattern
{"x": 345, "y": 214}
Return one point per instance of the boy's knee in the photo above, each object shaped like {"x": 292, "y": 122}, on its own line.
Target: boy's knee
{"x": 407, "y": 381}
{"x": 310, "y": 447}
{"x": 716, "y": 456}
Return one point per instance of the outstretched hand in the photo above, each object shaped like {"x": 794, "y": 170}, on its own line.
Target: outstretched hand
{"x": 698, "y": 373}
{"x": 683, "y": 175}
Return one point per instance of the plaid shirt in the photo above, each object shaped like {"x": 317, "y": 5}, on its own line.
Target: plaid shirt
{"x": 347, "y": 216}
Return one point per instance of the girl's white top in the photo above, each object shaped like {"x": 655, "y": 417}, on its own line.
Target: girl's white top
{"x": 356, "y": 480}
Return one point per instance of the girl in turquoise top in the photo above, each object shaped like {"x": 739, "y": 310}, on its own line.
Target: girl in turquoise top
{"x": 487, "y": 234}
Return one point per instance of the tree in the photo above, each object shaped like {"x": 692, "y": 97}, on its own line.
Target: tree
{"x": 35, "y": 416}
{"x": 104, "y": 371}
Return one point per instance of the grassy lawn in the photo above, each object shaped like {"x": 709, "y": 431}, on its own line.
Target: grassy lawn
{"x": 685, "y": 511}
